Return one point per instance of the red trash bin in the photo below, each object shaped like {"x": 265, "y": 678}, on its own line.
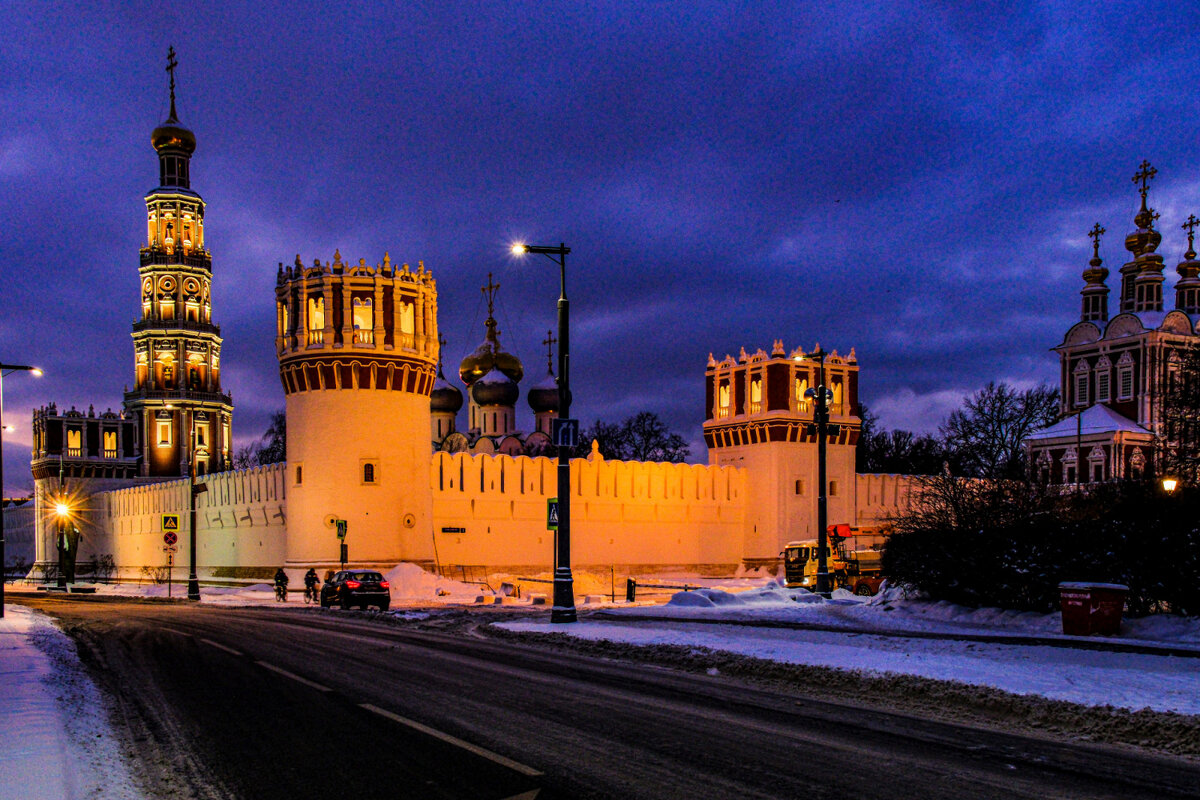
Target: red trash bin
{"x": 1092, "y": 608}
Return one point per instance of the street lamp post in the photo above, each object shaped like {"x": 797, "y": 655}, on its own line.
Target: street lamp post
{"x": 3, "y": 565}
{"x": 821, "y": 396}
{"x": 193, "y": 588}
{"x": 63, "y": 513}
{"x": 564, "y": 583}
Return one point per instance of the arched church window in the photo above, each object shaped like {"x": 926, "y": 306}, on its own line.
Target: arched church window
{"x": 1103, "y": 380}
{"x": 74, "y": 442}
{"x": 756, "y": 395}
{"x": 801, "y": 389}
{"x": 368, "y": 473}
{"x": 1125, "y": 378}
{"x": 835, "y": 406}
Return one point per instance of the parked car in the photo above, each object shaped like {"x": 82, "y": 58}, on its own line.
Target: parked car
{"x": 356, "y": 587}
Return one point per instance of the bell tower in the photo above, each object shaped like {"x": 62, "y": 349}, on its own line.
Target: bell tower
{"x": 184, "y": 420}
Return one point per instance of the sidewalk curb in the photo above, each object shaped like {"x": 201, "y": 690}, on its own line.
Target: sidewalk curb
{"x": 1076, "y": 643}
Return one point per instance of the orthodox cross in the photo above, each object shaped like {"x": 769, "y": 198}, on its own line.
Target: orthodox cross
{"x": 171, "y": 65}
{"x": 549, "y": 341}
{"x": 441, "y": 347}
{"x": 1144, "y": 174}
{"x": 1094, "y": 234}
{"x": 490, "y": 292}
{"x": 1190, "y": 227}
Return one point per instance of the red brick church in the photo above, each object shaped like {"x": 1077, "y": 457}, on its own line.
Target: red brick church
{"x": 1113, "y": 371}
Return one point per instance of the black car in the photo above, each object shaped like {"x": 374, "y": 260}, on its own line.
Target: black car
{"x": 356, "y": 587}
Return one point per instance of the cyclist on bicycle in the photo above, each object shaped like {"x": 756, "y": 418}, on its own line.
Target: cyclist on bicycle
{"x": 281, "y": 582}
{"x": 310, "y": 583}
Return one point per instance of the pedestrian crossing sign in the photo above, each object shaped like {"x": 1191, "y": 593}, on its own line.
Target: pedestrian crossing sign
{"x": 170, "y": 523}
{"x": 552, "y": 514}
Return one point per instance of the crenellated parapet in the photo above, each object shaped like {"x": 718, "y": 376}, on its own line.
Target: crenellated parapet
{"x": 759, "y": 397}
{"x": 344, "y": 326}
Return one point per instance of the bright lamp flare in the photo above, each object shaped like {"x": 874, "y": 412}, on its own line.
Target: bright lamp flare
{"x": 37, "y": 371}
{"x": 1169, "y": 484}
{"x": 518, "y": 249}
{"x": 62, "y": 509}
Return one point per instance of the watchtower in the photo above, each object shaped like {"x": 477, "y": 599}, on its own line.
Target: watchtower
{"x": 358, "y": 354}
{"x": 760, "y": 416}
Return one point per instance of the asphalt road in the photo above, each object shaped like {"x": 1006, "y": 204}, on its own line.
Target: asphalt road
{"x": 274, "y": 703}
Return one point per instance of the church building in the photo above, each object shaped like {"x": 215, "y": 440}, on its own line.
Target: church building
{"x": 1114, "y": 371}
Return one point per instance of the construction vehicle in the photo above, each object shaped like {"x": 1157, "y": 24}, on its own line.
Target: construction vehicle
{"x": 852, "y": 559}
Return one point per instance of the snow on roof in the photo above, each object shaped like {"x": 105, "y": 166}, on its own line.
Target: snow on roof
{"x": 1096, "y": 419}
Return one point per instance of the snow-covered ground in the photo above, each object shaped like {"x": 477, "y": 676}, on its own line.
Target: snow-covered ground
{"x": 1088, "y": 677}
{"x": 56, "y": 743}
{"x": 891, "y": 611}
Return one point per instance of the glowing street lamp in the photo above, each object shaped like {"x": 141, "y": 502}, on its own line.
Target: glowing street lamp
{"x": 62, "y": 510}
{"x": 564, "y": 583}
{"x": 4, "y": 370}
{"x": 1169, "y": 484}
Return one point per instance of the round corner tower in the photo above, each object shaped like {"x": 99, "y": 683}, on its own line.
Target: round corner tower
{"x": 358, "y": 353}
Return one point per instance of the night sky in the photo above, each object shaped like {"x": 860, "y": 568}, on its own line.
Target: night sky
{"x": 915, "y": 180}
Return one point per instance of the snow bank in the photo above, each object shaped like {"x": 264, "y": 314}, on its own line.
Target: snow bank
{"x": 893, "y": 610}
{"x": 57, "y": 744}
{"x": 773, "y": 594}
{"x": 412, "y": 583}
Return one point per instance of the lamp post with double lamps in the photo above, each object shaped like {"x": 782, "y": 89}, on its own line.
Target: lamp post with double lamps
{"x": 564, "y": 583}
{"x": 6, "y": 369}
{"x": 821, "y": 397}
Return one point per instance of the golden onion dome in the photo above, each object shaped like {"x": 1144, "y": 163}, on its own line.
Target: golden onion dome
{"x": 172, "y": 134}
{"x": 485, "y": 358}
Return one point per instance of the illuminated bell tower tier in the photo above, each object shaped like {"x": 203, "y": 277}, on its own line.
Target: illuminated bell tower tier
{"x": 184, "y": 419}
{"x": 358, "y": 354}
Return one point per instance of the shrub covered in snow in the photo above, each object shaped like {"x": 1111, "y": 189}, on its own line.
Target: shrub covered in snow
{"x": 983, "y": 543}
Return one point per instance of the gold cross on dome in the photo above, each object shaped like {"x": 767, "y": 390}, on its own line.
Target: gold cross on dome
{"x": 1095, "y": 233}
{"x": 171, "y": 65}
{"x": 549, "y": 341}
{"x": 1144, "y": 174}
{"x": 441, "y": 347}
{"x": 1190, "y": 227}
{"x": 490, "y": 292}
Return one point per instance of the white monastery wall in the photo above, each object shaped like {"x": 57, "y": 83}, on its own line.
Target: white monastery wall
{"x": 880, "y": 497}
{"x": 19, "y": 534}
{"x": 622, "y": 513}
{"x": 240, "y": 521}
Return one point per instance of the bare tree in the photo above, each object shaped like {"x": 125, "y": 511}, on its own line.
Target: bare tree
{"x": 985, "y": 436}
{"x": 270, "y": 449}
{"x": 1179, "y": 442}
{"x": 642, "y": 437}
